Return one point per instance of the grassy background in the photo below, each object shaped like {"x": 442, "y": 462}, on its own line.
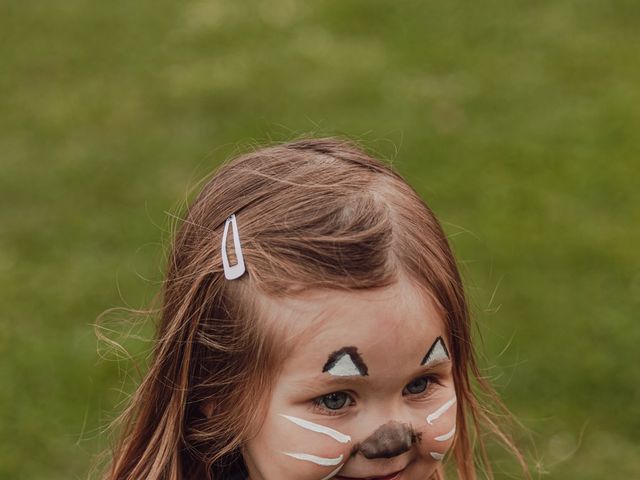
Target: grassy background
{"x": 517, "y": 121}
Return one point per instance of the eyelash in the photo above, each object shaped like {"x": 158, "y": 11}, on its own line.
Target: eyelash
{"x": 318, "y": 406}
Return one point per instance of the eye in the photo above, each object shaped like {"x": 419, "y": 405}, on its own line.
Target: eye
{"x": 335, "y": 400}
{"x": 333, "y": 403}
{"x": 417, "y": 386}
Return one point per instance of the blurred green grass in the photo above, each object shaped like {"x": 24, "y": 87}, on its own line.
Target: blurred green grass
{"x": 517, "y": 121}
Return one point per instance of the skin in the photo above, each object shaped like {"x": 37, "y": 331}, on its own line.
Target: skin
{"x": 392, "y": 330}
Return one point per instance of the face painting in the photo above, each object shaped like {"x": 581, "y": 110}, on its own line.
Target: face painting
{"x": 366, "y": 393}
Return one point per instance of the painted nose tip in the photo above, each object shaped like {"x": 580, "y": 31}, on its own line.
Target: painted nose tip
{"x": 389, "y": 440}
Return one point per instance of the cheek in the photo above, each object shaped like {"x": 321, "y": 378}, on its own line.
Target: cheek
{"x": 292, "y": 447}
{"x": 437, "y": 429}
{"x": 315, "y": 453}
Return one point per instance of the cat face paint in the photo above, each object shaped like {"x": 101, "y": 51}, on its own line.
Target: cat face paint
{"x": 314, "y": 427}
{"x": 345, "y": 362}
{"x": 388, "y": 441}
{"x": 353, "y": 395}
{"x": 437, "y": 353}
{"x": 445, "y": 439}
{"x": 432, "y": 417}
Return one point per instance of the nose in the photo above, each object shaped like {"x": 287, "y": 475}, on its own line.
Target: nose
{"x": 389, "y": 440}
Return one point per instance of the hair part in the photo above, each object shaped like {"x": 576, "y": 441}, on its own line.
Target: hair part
{"x": 312, "y": 214}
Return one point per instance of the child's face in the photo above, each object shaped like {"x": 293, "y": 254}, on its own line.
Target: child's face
{"x": 366, "y": 393}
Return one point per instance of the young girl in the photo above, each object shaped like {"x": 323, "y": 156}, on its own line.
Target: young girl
{"x": 314, "y": 326}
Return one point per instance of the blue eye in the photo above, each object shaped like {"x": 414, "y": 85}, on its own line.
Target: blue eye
{"x": 419, "y": 385}
{"x": 335, "y": 400}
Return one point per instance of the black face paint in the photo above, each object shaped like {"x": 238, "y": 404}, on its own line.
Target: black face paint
{"x": 345, "y": 362}
{"x": 390, "y": 440}
{"x": 438, "y": 351}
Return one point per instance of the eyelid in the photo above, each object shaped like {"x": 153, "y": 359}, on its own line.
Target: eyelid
{"x": 438, "y": 372}
{"x": 435, "y": 379}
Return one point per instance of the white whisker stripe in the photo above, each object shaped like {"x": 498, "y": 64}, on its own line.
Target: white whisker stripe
{"x": 436, "y": 455}
{"x": 332, "y": 474}
{"x": 446, "y": 436}
{"x": 438, "y": 413}
{"x": 325, "y": 462}
{"x": 344, "y": 367}
{"x": 314, "y": 427}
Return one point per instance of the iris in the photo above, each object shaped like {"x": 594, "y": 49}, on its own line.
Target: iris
{"x": 418, "y": 385}
{"x": 335, "y": 400}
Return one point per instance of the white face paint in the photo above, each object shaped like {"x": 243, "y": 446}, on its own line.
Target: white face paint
{"x": 436, "y": 455}
{"x": 346, "y": 362}
{"x": 330, "y": 432}
{"x": 446, "y": 436}
{"x": 431, "y": 418}
{"x": 332, "y": 474}
{"x": 325, "y": 462}
{"x": 344, "y": 367}
{"x": 437, "y": 353}
{"x": 314, "y": 427}
{"x": 438, "y": 413}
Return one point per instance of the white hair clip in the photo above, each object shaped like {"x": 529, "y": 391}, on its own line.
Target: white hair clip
{"x": 232, "y": 272}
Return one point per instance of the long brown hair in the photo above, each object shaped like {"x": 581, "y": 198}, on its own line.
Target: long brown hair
{"x": 312, "y": 213}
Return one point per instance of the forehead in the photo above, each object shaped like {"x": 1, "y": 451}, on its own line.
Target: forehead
{"x": 392, "y": 325}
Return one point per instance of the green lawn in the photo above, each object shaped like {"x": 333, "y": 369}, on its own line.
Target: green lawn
{"x": 517, "y": 121}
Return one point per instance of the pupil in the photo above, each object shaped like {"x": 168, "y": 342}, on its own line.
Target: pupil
{"x": 334, "y": 401}
{"x": 417, "y": 386}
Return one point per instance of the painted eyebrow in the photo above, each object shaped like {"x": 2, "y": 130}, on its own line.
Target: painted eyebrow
{"x": 437, "y": 353}
{"x": 346, "y": 362}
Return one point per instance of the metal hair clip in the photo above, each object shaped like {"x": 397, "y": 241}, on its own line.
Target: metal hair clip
{"x": 235, "y": 271}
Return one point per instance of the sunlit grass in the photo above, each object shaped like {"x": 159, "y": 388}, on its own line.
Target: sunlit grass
{"x": 516, "y": 122}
